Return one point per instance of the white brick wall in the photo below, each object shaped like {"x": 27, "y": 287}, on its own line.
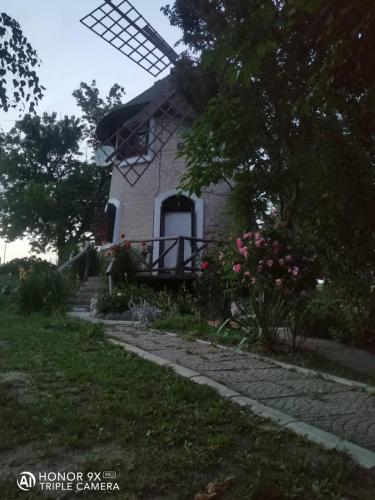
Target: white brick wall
{"x": 164, "y": 174}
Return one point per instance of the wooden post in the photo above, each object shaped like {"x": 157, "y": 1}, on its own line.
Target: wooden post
{"x": 110, "y": 284}
{"x": 151, "y": 256}
{"x": 180, "y": 256}
{"x": 87, "y": 266}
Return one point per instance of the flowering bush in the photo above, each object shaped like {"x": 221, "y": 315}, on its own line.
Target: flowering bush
{"x": 128, "y": 260}
{"x": 266, "y": 278}
{"x": 256, "y": 260}
{"x": 210, "y": 295}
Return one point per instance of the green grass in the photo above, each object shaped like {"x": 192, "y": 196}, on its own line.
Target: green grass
{"x": 190, "y": 327}
{"x": 71, "y": 397}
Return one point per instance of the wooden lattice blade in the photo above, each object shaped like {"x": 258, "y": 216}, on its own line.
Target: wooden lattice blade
{"x": 168, "y": 118}
{"x": 120, "y": 24}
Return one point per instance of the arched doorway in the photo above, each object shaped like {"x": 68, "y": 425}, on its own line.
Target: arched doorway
{"x": 177, "y": 218}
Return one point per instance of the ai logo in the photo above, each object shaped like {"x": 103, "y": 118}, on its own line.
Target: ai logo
{"x": 26, "y": 481}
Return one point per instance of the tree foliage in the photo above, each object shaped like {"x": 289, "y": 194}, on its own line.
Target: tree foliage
{"x": 49, "y": 193}
{"x": 291, "y": 121}
{"x": 19, "y": 83}
{"x": 289, "y": 118}
{"x": 94, "y": 107}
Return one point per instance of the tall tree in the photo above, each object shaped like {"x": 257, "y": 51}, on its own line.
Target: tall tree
{"x": 48, "y": 193}
{"x": 19, "y": 83}
{"x": 94, "y": 107}
{"x": 289, "y": 121}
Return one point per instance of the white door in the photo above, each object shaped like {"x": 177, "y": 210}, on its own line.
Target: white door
{"x": 176, "y": 224}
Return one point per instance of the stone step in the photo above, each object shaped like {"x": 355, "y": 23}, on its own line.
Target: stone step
{"x": 92, "y": 284}
{"x": 94, "y": 279}
{"x": 85, "y": 296}
{"x": 75, "y": 308}
{"x": 89, "y": 289}
{"x": 78, "y": 301}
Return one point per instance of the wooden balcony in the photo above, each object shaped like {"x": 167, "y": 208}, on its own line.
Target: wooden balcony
{"x": 170, "y": 258}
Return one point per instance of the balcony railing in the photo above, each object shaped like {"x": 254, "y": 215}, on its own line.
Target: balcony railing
{"x": 172, "y": 256}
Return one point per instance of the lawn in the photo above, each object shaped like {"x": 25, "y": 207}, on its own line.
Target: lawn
{"x": 70, "y": 400}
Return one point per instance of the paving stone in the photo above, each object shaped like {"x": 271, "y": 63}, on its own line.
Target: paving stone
{"x": 343, "y": 411}
{"x": 357, "y": 430}
{"x": 241, "y": 363}
{"x": 312, "y": 406}
{"x": 250, "y": 377}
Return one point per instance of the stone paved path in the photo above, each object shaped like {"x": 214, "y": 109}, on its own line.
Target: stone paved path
{"x": 338, "y": 409}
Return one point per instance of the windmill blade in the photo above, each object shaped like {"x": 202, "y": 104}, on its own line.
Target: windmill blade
{"x": 120, "y": 24}
{"x": 170, "y": 110}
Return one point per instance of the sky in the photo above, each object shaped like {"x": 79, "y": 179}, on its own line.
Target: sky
{"x": 70, "y": 54}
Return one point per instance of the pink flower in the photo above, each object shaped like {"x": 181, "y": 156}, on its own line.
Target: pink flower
{"x": 282, "y": 262}
{"x": 205, "y": 265}
{"x": 295, "y": 271}
{"x": 288, "y": 258}
{"x": 247, "y": 274}
{"x": 244, "y": 251}
{"x": 254, "y": 281}
{"x": 248, "y": 236}
{"x": 279, "y": 282}
{"x": 289, "y": 269}
{"x": 258, "y": 243}
{"x": 237, "y": 268}
{"x": 269, "y": 263}
{"x": 257, "y": 235}
{"x": 239, "y": 243}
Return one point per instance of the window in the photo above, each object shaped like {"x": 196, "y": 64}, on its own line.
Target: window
{"x": 111, "y": 220}
{"x": 132, "y": 144}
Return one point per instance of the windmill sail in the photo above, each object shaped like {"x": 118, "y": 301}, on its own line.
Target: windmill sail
{"x": 170, "y": 111}
{"x": 120, "y": 24}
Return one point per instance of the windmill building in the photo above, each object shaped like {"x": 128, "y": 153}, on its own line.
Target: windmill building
{"x": 141, "y": 141}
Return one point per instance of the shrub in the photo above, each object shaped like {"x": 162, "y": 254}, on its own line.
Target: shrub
{"x": 262, "y": 314}
{"x": 181, "y": 301}
{"x": 211, "y": 290}
{"x": 164, "y": 300}
{"x": 332, "y": 313}
{"x": 42, "y": 288}
{"x": 266, "y": 276}
{"x": 13, "y": 267}
{"x": 121, "y": 297}
{"x": 128, "y": 261}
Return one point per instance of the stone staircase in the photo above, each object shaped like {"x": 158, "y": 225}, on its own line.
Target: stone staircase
{"x": 87, "y": 291}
